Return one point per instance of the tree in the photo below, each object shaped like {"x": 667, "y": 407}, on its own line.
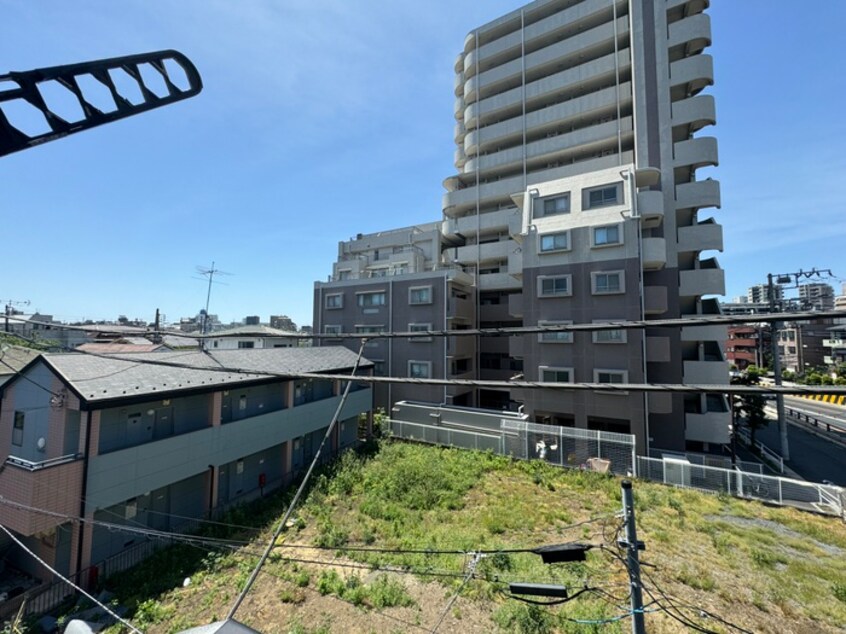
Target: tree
{"x": 751, "y": 406}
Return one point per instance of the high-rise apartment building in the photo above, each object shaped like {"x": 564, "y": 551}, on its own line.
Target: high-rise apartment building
{"x": 577, "y": 198}
{"x": 760, "y": 293}
{"x": 816, "y": 296}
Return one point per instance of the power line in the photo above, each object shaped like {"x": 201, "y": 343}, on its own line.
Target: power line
{"x": 292, "y": 505}
{"x": 471, "y": 571}
{"x": 704, "y": 320}
{"x": 68, "y": 581}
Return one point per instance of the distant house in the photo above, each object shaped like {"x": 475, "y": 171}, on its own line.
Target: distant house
{"x": 251, "y": 337}
{"x": 128, "y": 440}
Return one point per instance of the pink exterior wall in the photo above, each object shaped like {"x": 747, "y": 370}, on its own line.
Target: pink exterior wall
{"x": 57, "y": 489}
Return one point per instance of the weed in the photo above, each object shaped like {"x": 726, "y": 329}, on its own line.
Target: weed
{"x": 288, "y": 595}
{"x": 522, "y": 618}
{"x": 698, "y": 578}
{"x": 386, "y": 592}
{"x": 839, "y": 591}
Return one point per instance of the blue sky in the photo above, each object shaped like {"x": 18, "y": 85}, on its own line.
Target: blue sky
{"x": 320, "y": 119}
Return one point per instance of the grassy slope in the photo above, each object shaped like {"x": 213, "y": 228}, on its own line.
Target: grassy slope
{"x": 766, "y": 569}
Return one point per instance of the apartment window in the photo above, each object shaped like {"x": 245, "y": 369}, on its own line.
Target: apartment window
{"x": 608, "y": 282}
{"x": 401, "y": 268}
{"x": 345, "y": 274}
{"x": 555, "y": 242}
{"x": 331, "y": 330}
{"x": 370, "y": 329}
{"x": 610, "y": 376}
{"x": 420, "y": 295}
{"x": 603, "y": 196}
{"x": 419, "y": 369}
{"x": 382, "y": 271}
{"x": 609, "y": 336}
{"x": 553, "y": 206}
{"x": 607, "y": 236}
{"x": 366, "y": 300}
{"x": 419, "y": 328}
{"x": 555, "y": 337}
{"x": 334, "y": 301}
{"x": 246, "y": 344}
{"x": 18, "y": 429}
{"x": 378, "y": 367}
{"x": 554, "y": 286}
{"x": 555, "y": 375}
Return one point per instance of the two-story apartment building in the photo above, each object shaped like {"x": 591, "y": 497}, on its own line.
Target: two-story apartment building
{"x": 139, "y": 441}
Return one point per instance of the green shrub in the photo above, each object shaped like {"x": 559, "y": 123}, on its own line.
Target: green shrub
{"x": 522, "y": 618}
{"x": 386, "y": 592}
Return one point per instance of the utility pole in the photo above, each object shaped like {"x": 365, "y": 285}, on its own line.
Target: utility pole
{"x": 785, "y": 278}
{"x": 774, "y": 337}
{"x": 8, "y": 312}
{"x": 632, "y": 562}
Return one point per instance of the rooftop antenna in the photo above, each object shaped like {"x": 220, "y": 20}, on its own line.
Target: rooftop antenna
{"x": 209, "y": 273}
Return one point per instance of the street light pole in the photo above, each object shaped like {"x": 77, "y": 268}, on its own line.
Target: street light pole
{"x": 782, "y": 423}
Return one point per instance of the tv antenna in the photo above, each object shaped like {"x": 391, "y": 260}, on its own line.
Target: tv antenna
{"x": 209, "y": 273}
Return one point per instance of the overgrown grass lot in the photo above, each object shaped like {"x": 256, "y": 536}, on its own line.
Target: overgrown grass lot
{"x": 709, "y": 560}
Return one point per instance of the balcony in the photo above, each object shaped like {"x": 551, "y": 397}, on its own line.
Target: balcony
{"x": 515, "y": 263}
{"x": 834, "y": 343}
{"x": 705, "y": 373}
{"x": 654, "y": 300}
{"x": 658, "y": 350}
{"x": 696, "y": 153}
{"x": 702, "y": 281}
{"x": 53, "y": 485}
{"x": 704, "y": 236}
{"x": 650, "y": 206}
{"x": 458, "y": 108}
{"x": 696, "y": 112}
{"x": 459, "y": 132}
{"x": 654, "y": 254}
{"x": 551, "y": 148}
{"x": 698, "y": 194}
{"x": 705, "y": 333}
{"x": 483, "y": 253}
{"x": 690, "y": 75}
{"x": 694, "y": 33}
{"x": 589, "y": 76}
{"x": 472, "y": 224}
{"x": 515, "y": 305}
{"x": 551, "y": 118}
{"x": 711, "y": 427}
{"x": 497, "y": 281}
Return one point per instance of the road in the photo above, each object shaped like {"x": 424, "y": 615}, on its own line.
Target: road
{"x": 812, "y": 457}
{"x": 832, "y": 414}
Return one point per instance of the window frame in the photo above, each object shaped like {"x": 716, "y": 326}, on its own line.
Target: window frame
{"x": 541, "y": 204}
{"x": 587, "y": 191}
{"x": 543, "y": 369}
{"x": 557, "y": 336}
{"x": 367, "y": 329}
{"x": 596, "y": 334}
{"x": 624, "y": 374}
{"x": 331, "y": 329}
{"x": 543, "y": 278}
{"x": 427, "y": 364}
{"x": 361, "y": 295}
{"x": 411, "y": 328}
{"x": 553, "y": 235}
{"x": 621, "y": 289}
{"x": 413, "y": 289}
{"x": 594, "y": 244}
{"x": 329, "y": 296}
{"x": 18, "y": 428}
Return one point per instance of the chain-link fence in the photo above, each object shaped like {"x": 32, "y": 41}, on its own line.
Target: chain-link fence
{"x": 609, "y": 452}
{"x": 606, "y": 452}
{"x": 809, "y": 496}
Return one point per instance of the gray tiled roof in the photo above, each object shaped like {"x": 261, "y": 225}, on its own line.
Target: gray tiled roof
{"x": 251, "y": 331}
{"x": 97, "y": 378}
